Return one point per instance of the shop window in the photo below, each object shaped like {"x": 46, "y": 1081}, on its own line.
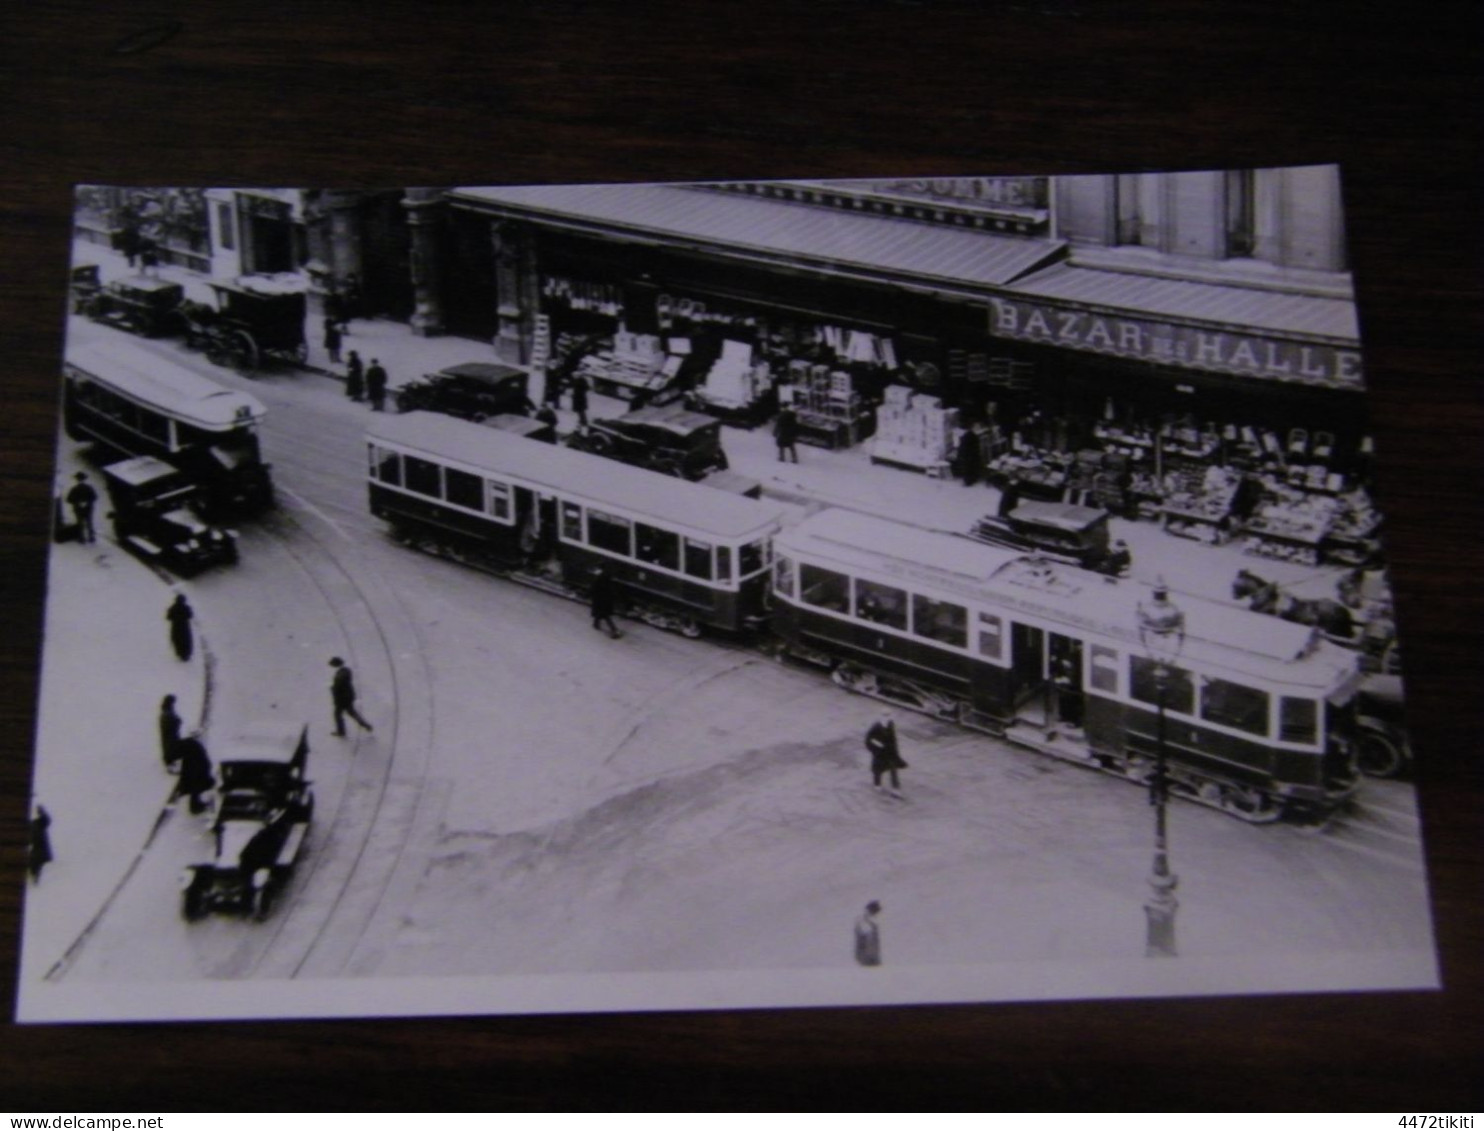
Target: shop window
{"x": 1144, "y": 686}
{"x": 881, "y": 604}
{"x": 991, "y": 636}
{"x": 723, "y": 563}
{"x": 783, "y": 576}
{"x": 423, "y": 476}
{"x": 1104, "y": 675}
{"x": 386, "y": 466}
{"x": 1298, "y": 720}
{"x": 940, "y": 621}
{"x": 825, "y": 589}
{"x": 698, "y": 559}
{"x": 464, "y": 490}
{"x": 1233, "y": 705}
{"x": 750, "y": 559}
{"x": 610, "y": 532}
{"x": 571, "y": 520}
{"x": 657, "y": 547}
{"x": 224, "y": 227}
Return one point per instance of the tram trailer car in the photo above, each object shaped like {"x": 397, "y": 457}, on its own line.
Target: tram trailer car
{"x": 684, "y": 556}
{"x": 1259, "y": 714}
{"x": 125, "y": 398}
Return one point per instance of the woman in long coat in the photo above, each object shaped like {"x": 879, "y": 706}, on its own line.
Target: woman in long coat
{"x": 169, "y": 732}
{"x": 195, "y": 772}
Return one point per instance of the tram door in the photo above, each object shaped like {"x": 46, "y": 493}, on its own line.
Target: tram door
{"x": 1027, "y": 663}
{"x": 535, "y": 518}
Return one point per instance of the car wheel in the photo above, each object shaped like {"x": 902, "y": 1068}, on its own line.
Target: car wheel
{"x": 1379, "y": 756}
{"x": 242, "y": 353}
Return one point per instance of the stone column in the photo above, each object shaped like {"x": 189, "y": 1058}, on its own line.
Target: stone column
{"x": 425, "y": 219}
{"x": 514, "y": 314}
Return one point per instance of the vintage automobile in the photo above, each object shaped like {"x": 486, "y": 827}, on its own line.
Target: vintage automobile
{"x": 474, "y": 390}
{"x": 156, "y": 517}
{"x": 1061, "y": 532}
{"x": 85, "y": 286}
{"x": 263, "y": 809}
{"x": 148, "y": 307}
{"x": 672, "y": 440}
{"x": 248, "y": 328}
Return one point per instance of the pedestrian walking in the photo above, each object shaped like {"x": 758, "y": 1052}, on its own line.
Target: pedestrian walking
{"x": 170, "y": 725}
{"x": 149, "y": 258}
{"x": 376, "y": 386}
{"x": 886, "y": 759}
{"x": 180, "y": 615}
{"x": 579, "y": 387}
{"x": 786, "y": 433}
{"x": 868, "y": 936}
{"x": 39, "y": 850}
{"x": 195, "y": 778}
{"x": 355, "y": 376}
{"x": 82, "y": 499}
{"x": 332, "y": 339}
{"x": 343, "y": 697}
{"x": 603, "y": 600}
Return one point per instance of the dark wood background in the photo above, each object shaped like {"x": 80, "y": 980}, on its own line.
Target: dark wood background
{"x": 409, "y": 92}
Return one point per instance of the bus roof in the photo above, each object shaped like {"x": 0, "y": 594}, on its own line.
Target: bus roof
{"x": 161, "y": 384}
{"x": 592, "y": 479}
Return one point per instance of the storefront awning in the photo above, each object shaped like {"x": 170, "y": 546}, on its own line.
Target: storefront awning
{"x": 795, "y": 234}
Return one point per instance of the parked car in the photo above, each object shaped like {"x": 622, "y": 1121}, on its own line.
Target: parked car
{"x": 264, "y": 806}
{"x": 475, "y": 391}
{"x": 671, "y": 439}
{"x": 149, "y": 307}
{"x": 85, "y": 286}
{"x": 1062, "y": 532}
{"x": 247, "y": 328}
{"x": 156, "y": 516}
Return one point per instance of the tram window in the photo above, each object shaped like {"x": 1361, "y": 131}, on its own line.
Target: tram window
{"x": 825, "y": 588}
{"x": 657, "y": 547}
{"x": 750, "y": 559}
{"x": 1104, "y": 669}
{"x": 698, "y": 559}
{"x": 610, "y": 532}
{"x": 723, "y": 563}
{"x": 940, "y": 621}
{"x": 463, "y": 490}
{"x": 1298, "y": 720}
{"x": 189, "y": 436}
{"x": 388, "y": 466}
{"x": 499, "y": 500}
{"x": 783, "y": 576}
{"x": 423, "y": 476}
{"x": 991, "y": 636}
{"x": 1234, "y": 705}
{"x": 1143, "y": 686}
{"x": 571, "y": 520}
{"x": 881, "y": 604}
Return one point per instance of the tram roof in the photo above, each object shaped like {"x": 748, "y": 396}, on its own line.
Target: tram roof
{"x": 593, "y": 479}
{"x": 950, "y": 564}
{"x": 164, "y": 385}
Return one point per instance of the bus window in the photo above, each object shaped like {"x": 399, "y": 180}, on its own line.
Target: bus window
{"x": 387, "y": 466}
{"x": 657, "y": 547}
{"x": 783, "y": 576}
{"x": 1234, "y": 705}
{"x": 1298, "y": 720}
{"x": 750, "y": 559}
{"x": 940, "y": 621}
{"x": 571, "y": 519}
{"x": 610, "y": 532}
{"x": 698, "y": 559}
{"x": 881, "y": 604}
{"x": 423, "y": 476}
{"x": 464, "y": 490}
{"x": 1104, "y": 669}
{"x": 991, "y": 636}
{"x": 1142, "y": 685}
{"x": 825, "y": 588}
{"x": 723, "y": 563}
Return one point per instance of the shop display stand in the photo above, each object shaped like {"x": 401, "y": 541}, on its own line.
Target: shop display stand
{"x": 914, "y": 431}
{"x": 830, "y": 413}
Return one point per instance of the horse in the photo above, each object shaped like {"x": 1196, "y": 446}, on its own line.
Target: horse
{"x": 1331, "y": 617}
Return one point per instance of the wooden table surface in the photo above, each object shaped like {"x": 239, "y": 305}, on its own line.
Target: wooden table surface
{"x": 399, "y": 92}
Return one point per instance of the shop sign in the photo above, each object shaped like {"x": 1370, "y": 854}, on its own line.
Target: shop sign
{"x": 1168, "y": 343}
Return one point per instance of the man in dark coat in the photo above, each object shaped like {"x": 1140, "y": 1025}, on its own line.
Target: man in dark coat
{"x": 376, "y": 386}
{"x": 579, "y": 387}
{"x": 343, "y": 697}
{"x": 179, "y": 614}
{"x": 82, "y": 499}
{"x": 881, "y": 741}
{"x": 786, "y": 433}
{"x": 195, "y": 772}
{"x": 332, "y": 339}
{"x": 603, "y": 601}
{"x": 968, "y": 460}
{"x": 868, "y": 936}
{"x": 169, "y": 733}
{"x": 39, "y": 853}
{"x": 355, "y": 376}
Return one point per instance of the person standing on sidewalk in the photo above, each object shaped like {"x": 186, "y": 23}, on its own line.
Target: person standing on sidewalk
{"x": 39, "y": 851}
{"x": 881, "y": 741}
{"x": 376, "y": 385}
{"x": 195, "y": 772}
{"x": 868, "y": 936}
{"x": 343, "y": 697}
{"x": 579, "y": 387}
{"x": 355, "y": 376}
{"x": 786, "y": 433}
{"x": 180, "y": 615}
{"x": 602, "y": 602}
{"x": 332, "y": 339}
{"x": 82, "y": 499}
{"x": 170, "y": 725}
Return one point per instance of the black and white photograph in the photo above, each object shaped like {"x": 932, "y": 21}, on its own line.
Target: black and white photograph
{"x": 683, "y": 596}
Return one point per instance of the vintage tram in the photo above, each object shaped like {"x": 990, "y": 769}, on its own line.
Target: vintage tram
{"x": 1259, "y": 714}
{"x": 683, "y": 556}
{"x": 137, "y": 404}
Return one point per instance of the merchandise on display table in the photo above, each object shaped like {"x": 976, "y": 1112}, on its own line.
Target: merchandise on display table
{"x": 831, "y": 414}
{"x": 913, "y": 430}
{"x": 1291, "y": 527}
{"x": 1042, "y": 476}
{"x": 1204, "y": 512}
{"x": 735, "y": 384}
{"x": 636, "y": 368}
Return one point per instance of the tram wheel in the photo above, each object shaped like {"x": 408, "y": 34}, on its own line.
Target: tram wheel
{"x": 301, "y": 353}
{"x": 690, "y": 628}
{"x": 242, "y": 353}
{"x": 1379, "y": 756}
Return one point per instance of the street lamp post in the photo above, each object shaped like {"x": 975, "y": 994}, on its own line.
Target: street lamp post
{"x": 1162, "y": 635}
